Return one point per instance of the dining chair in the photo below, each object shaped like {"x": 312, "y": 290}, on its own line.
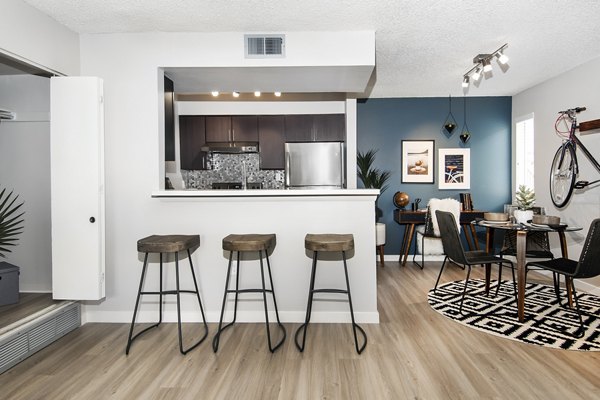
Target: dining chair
{"x": 430, "y": 232}
{"x": 587, "y": 266}
{"x": 455, "y": 253}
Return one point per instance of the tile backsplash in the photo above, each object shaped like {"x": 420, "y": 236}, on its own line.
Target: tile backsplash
{"x": 229, "y": 168}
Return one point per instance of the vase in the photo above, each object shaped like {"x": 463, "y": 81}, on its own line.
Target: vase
{"x": 522, "y": 216}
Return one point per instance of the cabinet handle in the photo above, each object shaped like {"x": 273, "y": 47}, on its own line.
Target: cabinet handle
{"x": 232, "y": 135}
{"x": 92, "y": 220}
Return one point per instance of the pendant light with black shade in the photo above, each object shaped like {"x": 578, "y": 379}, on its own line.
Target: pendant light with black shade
{"x": 465, "y": 135}
{"x": 450, "y": 122}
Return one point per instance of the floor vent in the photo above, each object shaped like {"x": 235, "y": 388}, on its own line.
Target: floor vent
{"x": 24, "y": 340}
{"x": 264, "y": 46}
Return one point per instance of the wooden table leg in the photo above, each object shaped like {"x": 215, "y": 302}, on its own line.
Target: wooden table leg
{"x": 403, "y": 245}
{"x": 468, "y": 239}
{"x": 474, "y": 234}
{"x": 565, "y": 254}
{"x": 489, "y": 247}
{"x": 411, "y": 231}
{"x": 380, "y": 248}
{"x": 521, "y": 273}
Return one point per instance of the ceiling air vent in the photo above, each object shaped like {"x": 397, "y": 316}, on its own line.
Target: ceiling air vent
{"x": 264, "y": 46}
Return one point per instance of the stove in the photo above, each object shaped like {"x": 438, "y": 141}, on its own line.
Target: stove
{"x": 235, "y": 185}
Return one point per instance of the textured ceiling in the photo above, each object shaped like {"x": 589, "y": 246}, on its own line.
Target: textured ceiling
{"x": 422, "y": 47}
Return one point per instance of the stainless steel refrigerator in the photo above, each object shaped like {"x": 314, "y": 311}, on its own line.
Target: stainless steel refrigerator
{"x": 314, "y": 165}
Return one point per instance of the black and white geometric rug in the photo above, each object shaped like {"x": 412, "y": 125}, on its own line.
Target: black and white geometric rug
{"x": 545, "y": 319}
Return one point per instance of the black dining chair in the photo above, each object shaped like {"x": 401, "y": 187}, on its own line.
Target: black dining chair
{"x": 457, "y": 254}
{"x": 588, "y": 266}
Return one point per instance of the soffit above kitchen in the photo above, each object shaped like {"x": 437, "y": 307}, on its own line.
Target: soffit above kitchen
{"x": 306, "y": 79}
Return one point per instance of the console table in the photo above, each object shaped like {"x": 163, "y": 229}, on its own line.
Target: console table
{"x": 412, "y": 218}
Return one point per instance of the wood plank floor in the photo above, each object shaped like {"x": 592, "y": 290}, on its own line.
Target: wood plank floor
{"x": 29, "y": 303}
{"x": 413, "y": 353}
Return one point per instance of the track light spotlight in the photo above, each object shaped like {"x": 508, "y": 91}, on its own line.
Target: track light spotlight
{"x": 214, "y": 93}
{"x": 277, "y": 94}
{"x": 465, "y": 82}
{"x": 257, "y": 94}
{"x": 477, "y": 74}
{"x": 502, "y": 58}
{"x": 236, "y": 94}
{"x": 487, "y": 66}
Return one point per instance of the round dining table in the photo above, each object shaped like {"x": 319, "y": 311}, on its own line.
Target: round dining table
{"x": 521, "y": 231}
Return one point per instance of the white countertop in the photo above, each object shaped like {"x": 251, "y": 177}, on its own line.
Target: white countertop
{"x": 266, "y": 193}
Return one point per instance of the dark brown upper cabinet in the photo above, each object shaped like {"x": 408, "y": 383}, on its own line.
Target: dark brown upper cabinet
{"x": 315, "y": 128}
{"x": 191, "y": 138}
{"x": 271, "y": 137}
{"x": 237, "y": 128}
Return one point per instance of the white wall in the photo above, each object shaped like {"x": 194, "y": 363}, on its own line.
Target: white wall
{"x": 130, "y": 66}
{"x": 578, "y": 87}
{"x": 25, "y": 167}
{"x": 32, "y": 36}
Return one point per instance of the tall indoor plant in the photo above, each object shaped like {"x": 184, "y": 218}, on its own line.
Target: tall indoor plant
{"x": 371, "y": 177}
{"x": 11, "y": 221}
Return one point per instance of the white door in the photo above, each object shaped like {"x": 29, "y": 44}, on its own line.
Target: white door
{"x": 77, "y": 194}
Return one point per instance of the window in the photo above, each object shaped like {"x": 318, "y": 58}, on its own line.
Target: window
{"x": 524, "y": 166}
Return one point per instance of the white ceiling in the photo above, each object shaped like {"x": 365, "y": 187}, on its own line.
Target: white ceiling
{"x": 422, "y": 47}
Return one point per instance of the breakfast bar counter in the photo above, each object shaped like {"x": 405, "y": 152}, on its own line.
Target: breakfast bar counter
{"x": 290, "y": 215}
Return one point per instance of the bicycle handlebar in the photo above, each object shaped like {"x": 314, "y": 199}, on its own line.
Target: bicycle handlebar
{"x": 575, "y": 110}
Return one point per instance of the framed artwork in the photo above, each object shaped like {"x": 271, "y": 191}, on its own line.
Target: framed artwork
{"x": 418, "y": 161}
{"x": 454, "y": 169}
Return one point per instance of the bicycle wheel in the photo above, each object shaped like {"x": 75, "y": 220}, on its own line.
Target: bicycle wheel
{"x": 563, "y": 173}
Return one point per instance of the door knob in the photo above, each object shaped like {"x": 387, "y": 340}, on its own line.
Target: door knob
{"x": 92, "y": 220}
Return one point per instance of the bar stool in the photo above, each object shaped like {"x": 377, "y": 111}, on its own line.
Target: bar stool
{"x": 329, "y": 243}
{"x": 167, "y": 244}
{"x": 249, "y": 243}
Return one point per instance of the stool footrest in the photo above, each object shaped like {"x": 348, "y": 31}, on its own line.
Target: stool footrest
{"x": 250, "y": 291}
{"x": 170, "y": 292}
{"x": 340, "y": 291}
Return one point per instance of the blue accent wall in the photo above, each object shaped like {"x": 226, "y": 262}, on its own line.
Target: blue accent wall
{"x": 382, "y": 124}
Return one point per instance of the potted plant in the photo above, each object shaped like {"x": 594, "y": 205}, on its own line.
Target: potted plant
{"x": 525, "y": 199}
{"x": 11, "y": 223}
{"x": 371, "y": 177}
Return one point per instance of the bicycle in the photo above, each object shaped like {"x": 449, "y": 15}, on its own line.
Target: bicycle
{"x": 453, "y": 176}
{"x": 565, "y": 168}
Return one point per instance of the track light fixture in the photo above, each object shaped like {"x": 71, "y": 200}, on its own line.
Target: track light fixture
{"x": 484, "y": 62}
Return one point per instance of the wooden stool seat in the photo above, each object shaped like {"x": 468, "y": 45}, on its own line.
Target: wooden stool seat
{"x": 249, "y": 242}
{"x": 329, "y": 242}
{"x": 167, "y": 243}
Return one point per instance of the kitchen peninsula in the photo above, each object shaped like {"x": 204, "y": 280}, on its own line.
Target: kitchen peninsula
{"x": 290, "y": 214}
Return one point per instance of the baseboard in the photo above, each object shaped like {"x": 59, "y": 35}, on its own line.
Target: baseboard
{"x": 90, "y": 316}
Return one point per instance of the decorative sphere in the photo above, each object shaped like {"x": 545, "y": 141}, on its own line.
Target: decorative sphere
{"x": 401, "y": 199}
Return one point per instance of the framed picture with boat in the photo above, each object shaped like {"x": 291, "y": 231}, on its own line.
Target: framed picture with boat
{"x": 418, "y": 161}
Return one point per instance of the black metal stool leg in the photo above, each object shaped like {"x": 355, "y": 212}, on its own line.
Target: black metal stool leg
{"x": 355, "y": 326}
{"x": 198, "y": 296}
{"x": 311, "y": 289}
{"x": 131, "y": 338}
{"x": 264, "y": 293}
{"x": 178, "y": 302}
{"x": 216, "y": 339}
